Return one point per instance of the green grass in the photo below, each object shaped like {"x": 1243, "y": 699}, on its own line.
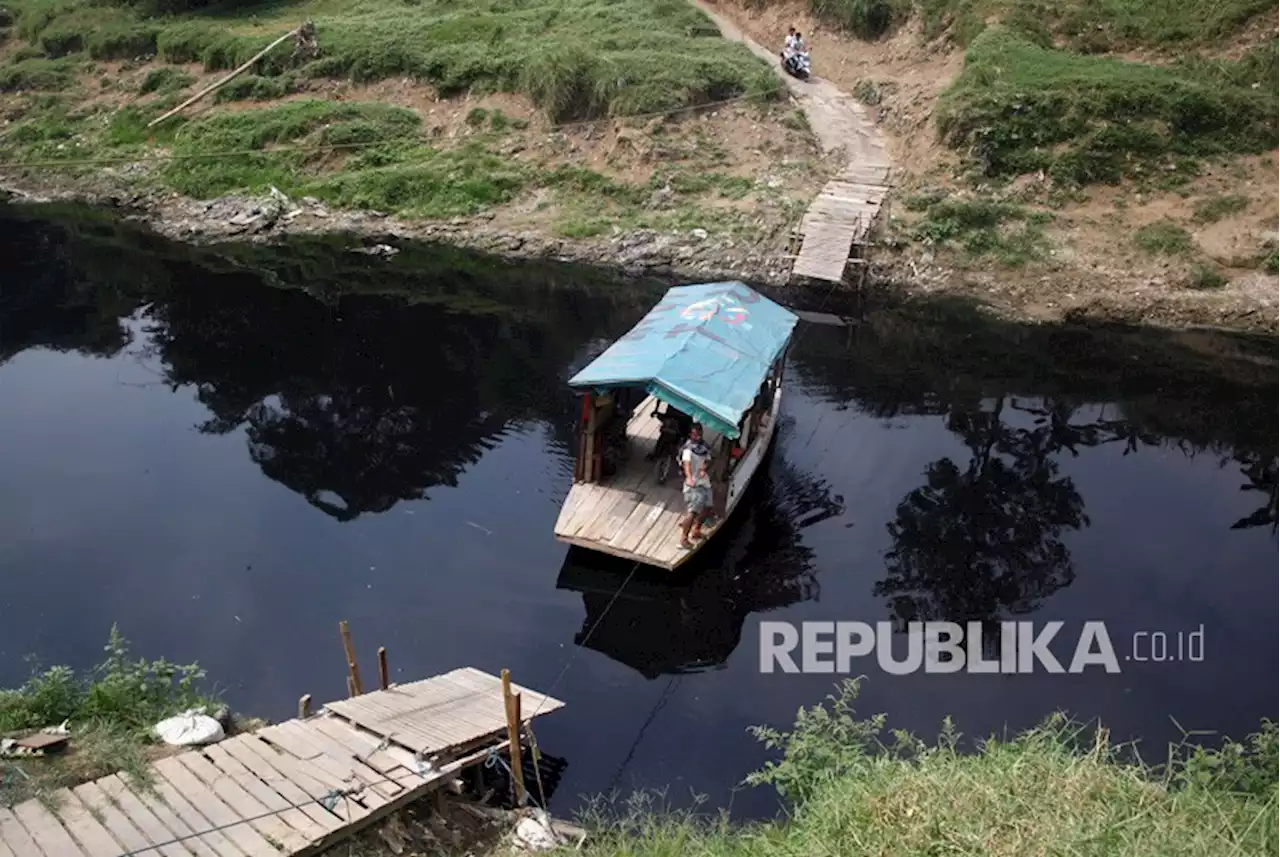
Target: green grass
{"x": 1019, "y": 107}
{"x": 37, "y": 74}
{"x": 1205, "y": 277}
{"x": 1011, "y": 234}
{"x": 428, "y": 183}
{"x": 164, "y": 80}
{"x": 252, "y": 87}
{"x": 1164, "y": 238}
{"x": 109, "y": 712}
{"x": 1089, "y": 26}
{"x": 1060, "y": 789}
{"x": 1214, "y": 208}
{"x": 574, "y": 58}
{"x": 311, "y": 123}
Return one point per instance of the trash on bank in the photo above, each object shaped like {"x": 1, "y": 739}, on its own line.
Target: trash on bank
{"x": 188, "y": 729}
{"x": 50, "y": 739}
{"x": 537, "y": 832}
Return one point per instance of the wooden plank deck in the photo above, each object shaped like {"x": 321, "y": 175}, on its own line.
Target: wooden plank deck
{"x": 631, "y": 515}
{"x": 287, "y": 790}
{"x": 838, "y": 218}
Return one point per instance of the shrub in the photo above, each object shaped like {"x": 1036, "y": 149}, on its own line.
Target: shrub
{"x": 59, "y": 41}
{"x": 48, "y": 75}
{"x": 123, "y": 41}
{"x": 165, "y": 79}
{"x": 251, "y": 87}
{"x": 121, "y": 691}
{"x": 1206, "y": 277}
{"x": 1164, "y": 237}
{"x": 1214, "y": 208}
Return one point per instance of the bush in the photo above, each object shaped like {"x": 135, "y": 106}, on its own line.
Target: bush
{"x": 49, "y": 75}
{"x": 1019, "y": 108}
{"x": 123, "y": 41}
{"x": 1165, "y": 238}
{"x": 251, "y": 87}
{"x": 59, "y": 41}
{"x": 1206, "y": 277}
{"x": 121, "y": 691}
{"x": 1214, "y": 208}
{"x": 165, "y": 80}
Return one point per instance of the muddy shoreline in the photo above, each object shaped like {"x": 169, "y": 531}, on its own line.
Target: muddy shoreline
{"x": 697, "y": 254}
{"x": 895, "y": 277}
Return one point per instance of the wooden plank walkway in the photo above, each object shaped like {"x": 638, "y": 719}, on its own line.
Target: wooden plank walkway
{"x": 841, "y": 216}
{"x": 287, "y": 790}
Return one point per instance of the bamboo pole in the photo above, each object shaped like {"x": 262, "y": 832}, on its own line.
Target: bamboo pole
{"x": 511, "y": 702}
{"x": 239, "y": 71}
{"x": 353, "y": 671}
{"x": 384, "y": 680}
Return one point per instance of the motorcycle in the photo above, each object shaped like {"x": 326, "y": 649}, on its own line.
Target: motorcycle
{"x": 671, "y": 435}
{"x": 797, "y": 64}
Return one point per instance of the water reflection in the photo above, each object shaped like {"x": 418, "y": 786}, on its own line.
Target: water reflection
{"x": 1260, "y": 475}
{"x": 927, "y": 467}
{"x": 342, "y": 400}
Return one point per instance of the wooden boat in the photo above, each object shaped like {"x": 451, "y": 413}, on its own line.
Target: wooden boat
{"x": 716, "y": 353}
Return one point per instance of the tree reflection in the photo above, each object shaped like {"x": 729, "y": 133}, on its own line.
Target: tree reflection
{"x": 350, "y": 404}
{"x": 43, "y": 303}
{"x": 1260, "y": 473}
{"x": 984, "y": 540}
{"x": 353, "y": 401}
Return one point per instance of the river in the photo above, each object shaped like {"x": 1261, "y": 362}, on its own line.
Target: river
{"x": 227, "y": 452}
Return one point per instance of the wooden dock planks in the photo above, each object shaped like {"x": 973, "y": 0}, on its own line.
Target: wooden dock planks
{"x": 841, "y": 216}
{"x": 438, "y": 715}
{"x": 288, "y": 790}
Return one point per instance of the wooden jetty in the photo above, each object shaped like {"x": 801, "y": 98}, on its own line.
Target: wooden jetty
{"x": 839, "y": 219}
{"x": 286, "y": 790}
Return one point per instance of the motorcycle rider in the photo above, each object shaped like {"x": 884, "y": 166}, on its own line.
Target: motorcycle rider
{"x": 794, "y": 48}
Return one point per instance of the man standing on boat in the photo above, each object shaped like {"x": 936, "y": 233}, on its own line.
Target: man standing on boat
{"x": 695, "y": 458}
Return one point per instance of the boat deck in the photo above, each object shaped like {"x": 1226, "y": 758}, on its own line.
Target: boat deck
{"x": 289, "y": 790}
{"x": 630, "y": 515}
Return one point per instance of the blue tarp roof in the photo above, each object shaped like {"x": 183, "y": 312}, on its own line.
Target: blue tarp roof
{"x": 704, "y": 349}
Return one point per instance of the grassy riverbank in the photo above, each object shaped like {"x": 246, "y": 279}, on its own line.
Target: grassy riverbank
{"x": 568, "y": 119}
{"x": 1058, "y": 789}
{"x": 109, "y": 712}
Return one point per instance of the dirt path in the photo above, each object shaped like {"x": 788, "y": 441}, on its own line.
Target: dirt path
{"x": 837, "y": 119}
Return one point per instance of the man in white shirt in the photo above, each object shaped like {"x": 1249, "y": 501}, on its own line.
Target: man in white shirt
{"x": 695, "y": 459}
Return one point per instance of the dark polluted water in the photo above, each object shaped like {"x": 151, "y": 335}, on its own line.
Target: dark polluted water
{"x": 228, "y": 452}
